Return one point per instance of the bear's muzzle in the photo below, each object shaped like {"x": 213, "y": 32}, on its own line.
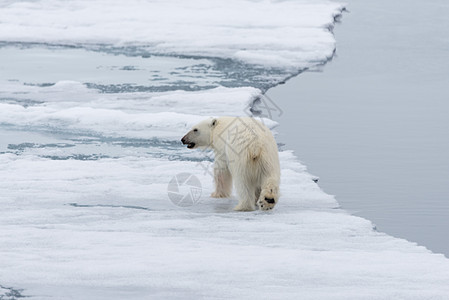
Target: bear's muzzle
{"x": 185, "y": 141}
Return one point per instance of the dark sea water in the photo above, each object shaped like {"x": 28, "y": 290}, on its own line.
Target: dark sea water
{"x": 374, "y": 124}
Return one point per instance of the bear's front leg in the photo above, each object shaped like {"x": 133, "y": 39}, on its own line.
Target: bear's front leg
{"x": 223, "y": 182}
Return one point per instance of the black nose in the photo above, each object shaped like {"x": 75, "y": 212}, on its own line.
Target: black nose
{"x": 183, "y": 140}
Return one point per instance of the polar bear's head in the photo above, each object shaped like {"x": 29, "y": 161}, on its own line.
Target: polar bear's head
{"x": 200, "y": 134}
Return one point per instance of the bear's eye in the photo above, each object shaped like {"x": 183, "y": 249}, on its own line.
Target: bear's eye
{"x": 195, "y": 130}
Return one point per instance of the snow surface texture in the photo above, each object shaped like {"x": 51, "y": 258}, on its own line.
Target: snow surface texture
{"x": 290, "y": 34}
{"x": 85, "y": 210}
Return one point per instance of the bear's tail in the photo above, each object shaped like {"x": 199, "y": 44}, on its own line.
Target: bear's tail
{"x": 255, "y": 151}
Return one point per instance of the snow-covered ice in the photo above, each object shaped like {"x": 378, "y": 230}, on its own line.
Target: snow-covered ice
{"x": 285, "y": 34}
{"x": 85, "y": 169}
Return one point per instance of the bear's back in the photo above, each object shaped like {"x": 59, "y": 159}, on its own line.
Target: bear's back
{"x": 245, "y": 137}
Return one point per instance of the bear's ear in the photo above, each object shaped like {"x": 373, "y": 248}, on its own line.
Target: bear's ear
{"x": 213, "y": 123}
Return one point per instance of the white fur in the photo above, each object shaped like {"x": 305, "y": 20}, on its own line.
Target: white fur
{"x": 246, "y": 154}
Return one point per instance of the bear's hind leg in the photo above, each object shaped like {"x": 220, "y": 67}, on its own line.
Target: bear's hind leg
{"x": 245, "y": 195}
{"x": 223, "y": 183}
{"x": 258, "y": 190}
{"x": 269, "y": 195}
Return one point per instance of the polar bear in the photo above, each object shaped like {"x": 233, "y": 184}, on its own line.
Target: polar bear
{"x": 246, "y": 153}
